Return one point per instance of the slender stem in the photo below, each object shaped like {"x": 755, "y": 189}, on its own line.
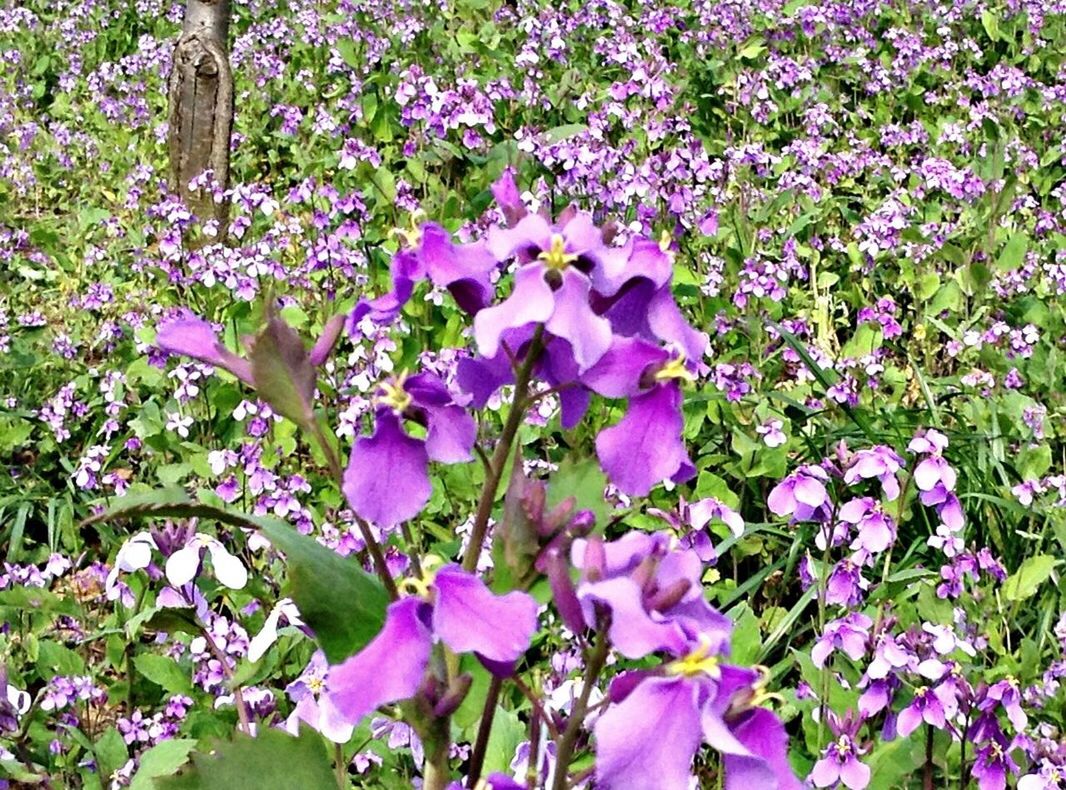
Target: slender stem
{"x": 927, "y": 768}
{"x": 533, "y": 766}
{"x": 340, "y": 766}
{"x": 565, "y": 753}
{"x": 481, "y": 744}
{"x": 238, "y": 697}
{"x": 501, "y": 453}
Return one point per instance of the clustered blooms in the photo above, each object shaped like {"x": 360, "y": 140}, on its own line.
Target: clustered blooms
{"x": 811, "y": 103}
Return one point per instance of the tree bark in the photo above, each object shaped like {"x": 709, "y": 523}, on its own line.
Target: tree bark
{"x": 200, "y": 94}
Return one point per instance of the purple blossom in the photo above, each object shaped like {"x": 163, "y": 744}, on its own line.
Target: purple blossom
{"x": 459, "y": 610}
{"x": 387, "y": 479}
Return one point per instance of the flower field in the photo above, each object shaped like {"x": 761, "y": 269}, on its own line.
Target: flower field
{"x": 621, "y": 395}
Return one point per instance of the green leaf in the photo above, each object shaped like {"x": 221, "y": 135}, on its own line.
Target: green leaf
{"x": 55, "y": 659}
{"x": 164, "y": 672}
{"x": 1013, "y": 253}
{"x": 163, "y": 759}
{"x": 507, "y": 732}
{"x": 110, "y": 750}
{"x": 36, "y": 598}
{"x": 273, "y": 760}
{"x": 585, "y": 482}
{"x": 343, "y": 604}
{"x": 283, "y": 374}
{"x": 566, "y": 130}
{"x": 990, "y": 22}
{"x": 1025, "y": 582}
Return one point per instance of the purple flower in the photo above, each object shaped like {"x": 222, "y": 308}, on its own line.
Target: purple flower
{"x": 651, "y": 733}
{"x": 313, "y": 706}
{"x": 840, "y": 760}
{"x": 387, "y": 479}
{"x": 926, "y": 706}
{"x": 645, "y": 446}
{"x": 771, "y": 433}
{"x": 850, "y": 634}
{"x": 881, "y": 462}
{"x": 653, "y": 593}
{"x": 430, "y": 253}
{"x": 551, "y": 286}
{"x": 459, "y": 610}
{"x": 802, "y": 495}
{"x": 876, "y": 530}
{"x": 692, "y": 519}
{"x": 992, "y": 763}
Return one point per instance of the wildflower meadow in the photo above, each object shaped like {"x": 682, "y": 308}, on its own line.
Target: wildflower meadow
{"x": 513, "y": 395}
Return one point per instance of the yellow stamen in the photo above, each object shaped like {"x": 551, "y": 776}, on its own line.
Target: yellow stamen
{"x": 556, "y": 257}
{"x": 412, "y": 234}
{"x": 394, "y": 395}
{"x": 698, "y": 662}
{"x": 675, "y": 369}
{"x": 316, "y": 685}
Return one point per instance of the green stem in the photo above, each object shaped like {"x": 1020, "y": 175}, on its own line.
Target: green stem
{"x": 481, "y": 744}
{"x": 340, "y": 766}
{"x": 503, "y": 449}
{"x": 565, "y": 752}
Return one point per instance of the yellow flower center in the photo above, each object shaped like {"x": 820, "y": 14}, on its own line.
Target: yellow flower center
{"x": 412, "y": 234}
{"x": 316, "y": 685}
{"x": 675, "y": 369}
{"x": 698, "y": 662}
{"x": 394, "y": 395}
{"x": 556, "y": 257}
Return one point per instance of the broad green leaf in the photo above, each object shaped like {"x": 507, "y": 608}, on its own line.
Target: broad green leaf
{"x": 1025, "y": 582}
{"x": 37, "y": 599}
{"x": 110, "y": 750}
{"x": 164, "y": 672}
{"x": 273, "y": 760}
{"x": 507, "y": 732}
{"x": 163, "y": 759}
{"x": 1013, "y": 253}
{"x": 583, "y": 480}
{"x": 343, "y": 604}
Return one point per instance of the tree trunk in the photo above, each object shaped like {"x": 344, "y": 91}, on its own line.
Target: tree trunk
{"x": 201, "y": 110}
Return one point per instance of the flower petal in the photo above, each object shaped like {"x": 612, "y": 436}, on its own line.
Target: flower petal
{"x": 390, "y": 668}
{"x": 645, "y": 447}
{"x": 182, "y": 565}
{"x": 619, "y": 372}
{"x": 531, "y": 301}
{"x": 229, "y": 570}
{"x": 765, "y": 739}
{"x": 386, "y": 481}
{"x": 196, "y": 338}
{"x": 633, "y": 632}
{"x": 573, "y": 319}
{"x": 468, "y": 617}
{"x": 649, "y": 740}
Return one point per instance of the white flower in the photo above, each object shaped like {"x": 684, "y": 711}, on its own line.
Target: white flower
{"x": 182, "y": 564}
{"x": 262, "y": 641}
{"x": 179, "y": 424}
{"x": 134, "y": 555}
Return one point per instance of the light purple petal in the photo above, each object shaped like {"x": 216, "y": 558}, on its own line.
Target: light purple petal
{"x": 508, "y": 198}
{"x": 855, "y": 774}
{"x": 323, "y": 347}
{"x": 619, "y": 372}
{"x": 927, "y": 473}
{"x": 908, "y": 720}
{"x": 467, "y": 616}
{"x": 386, "y": 481}
{"x": 531, "y": 301}
{"x": 825, "y": 773}
{"x": 389, "y": 669}
{"x": 196, "y": 338}
{"x": 766, "y": 741}
{"x": 648, "y": 741}
{"x": 645, "y": 447}
{"x": 531, "y": 234}
{"x": 573, "y": 319}
{"x": 670, "y": 326}
{"x": 633, "y": 632}
{"x": 810, "y": 491}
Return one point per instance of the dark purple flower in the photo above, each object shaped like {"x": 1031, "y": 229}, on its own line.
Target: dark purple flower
{"x": 650, "y": 734}
{"x": 645, "y": 446}
{"x": 387, "y": 479}
{"x": 459, "y": 610}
